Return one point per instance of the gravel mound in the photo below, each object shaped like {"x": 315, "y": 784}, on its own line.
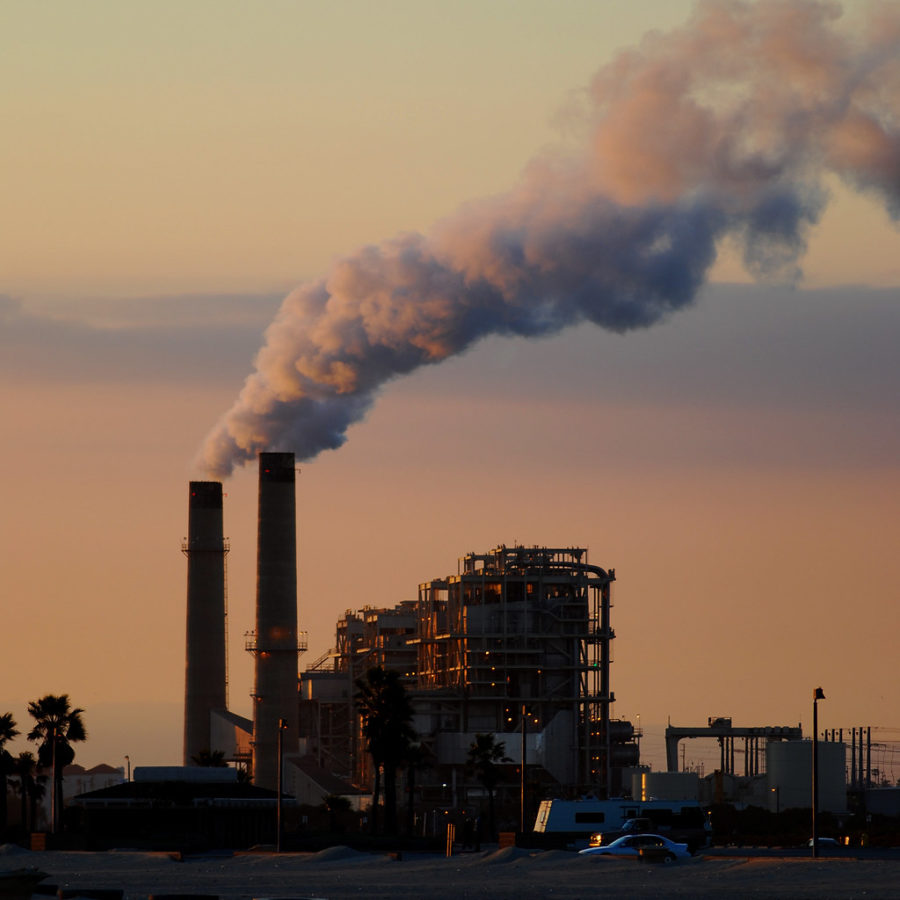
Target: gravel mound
{"x": 339, "y": 854}
{"x": 551, "y": 857}
{"x": 506, "y": 855}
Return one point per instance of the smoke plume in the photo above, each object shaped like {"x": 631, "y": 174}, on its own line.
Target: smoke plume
{"x": 725, "y": 128}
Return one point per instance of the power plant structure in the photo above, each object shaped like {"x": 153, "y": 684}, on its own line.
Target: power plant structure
{"x": 756, "y": 739}
{"x": 205, "y": 666}
{"x": 522, "y": 637}
{"x": 516, "y": 645}
{"x": 275, "y": 642}
{"x": 208, "y": 726}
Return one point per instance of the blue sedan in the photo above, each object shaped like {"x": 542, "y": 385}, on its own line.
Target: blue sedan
{"x": 633, "y": 844}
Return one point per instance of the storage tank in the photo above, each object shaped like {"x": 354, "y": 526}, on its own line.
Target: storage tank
{"x": 789, "y": 775}
{"x": 621, "y": 730}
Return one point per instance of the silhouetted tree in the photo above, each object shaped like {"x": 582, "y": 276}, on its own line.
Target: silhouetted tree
{"x": 337, "y": 806}
{"x": 8, "y": 731}
{"x": 485, "y": 756}
{"x": 214, "y": 759}
{"x": 418, "y": 757}
{"x": 31, "y": 787}
{"x": 56, "y": 727}
{"x": 386, "y": 714}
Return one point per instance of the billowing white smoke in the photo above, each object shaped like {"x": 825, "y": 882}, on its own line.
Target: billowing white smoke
{"x": 723, "y": 128}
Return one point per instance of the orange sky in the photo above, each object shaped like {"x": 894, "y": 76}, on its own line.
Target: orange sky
{"x": 736, "y": 464}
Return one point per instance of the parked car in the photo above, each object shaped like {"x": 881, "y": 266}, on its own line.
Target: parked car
{"x": 825, "y": 842}
{"x": 632, "y": 844}
{"x": 690, "y": 827}
{"x": 629, "y": 826}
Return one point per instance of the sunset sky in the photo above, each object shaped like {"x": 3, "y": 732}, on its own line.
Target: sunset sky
{"x": 171, "y": 171}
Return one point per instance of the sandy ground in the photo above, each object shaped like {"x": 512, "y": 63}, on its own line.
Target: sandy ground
{"x": 509, "y": 874}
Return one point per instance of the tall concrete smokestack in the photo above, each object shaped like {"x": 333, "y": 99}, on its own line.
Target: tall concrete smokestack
{"x": 205, "y": 671}
{"x": 275, "y": 642}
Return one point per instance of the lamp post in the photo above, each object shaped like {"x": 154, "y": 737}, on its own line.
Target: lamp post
{"x": 279, "y": 779}
{"x": 818, "y": 694}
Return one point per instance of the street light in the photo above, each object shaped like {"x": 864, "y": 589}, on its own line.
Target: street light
{"x": 818, "y": 694}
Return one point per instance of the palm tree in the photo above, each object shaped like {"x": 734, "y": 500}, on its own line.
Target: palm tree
{"x": 8, "y": 731}
{"x": 31, "y": 787}
{"x": 386, "y": 714}
{"x": 485, "y": 756}
{"x": 417, "y": 758}
{"x": 56, "y": 727}
{"x": 214, "y": 759}
{"x": 338, "y": 806}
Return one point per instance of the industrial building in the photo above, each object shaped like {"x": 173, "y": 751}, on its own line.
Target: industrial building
{"x": 328, "y": 720}
{"x": 516, "y": 644}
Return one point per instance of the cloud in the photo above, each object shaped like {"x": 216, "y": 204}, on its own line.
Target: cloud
{"x": 162, "y": 339}
{"x": 765, "y": 345}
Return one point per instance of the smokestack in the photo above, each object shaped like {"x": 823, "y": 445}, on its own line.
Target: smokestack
{"x": 275, "y": 642}
{"x": 205, "y": 672}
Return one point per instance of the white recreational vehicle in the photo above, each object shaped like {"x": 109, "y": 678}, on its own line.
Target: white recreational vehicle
{"x": 572, "y": 822}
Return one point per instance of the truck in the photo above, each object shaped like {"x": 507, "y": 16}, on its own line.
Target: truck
{"x": 579, "y": 823}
